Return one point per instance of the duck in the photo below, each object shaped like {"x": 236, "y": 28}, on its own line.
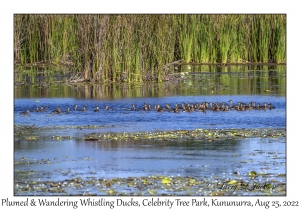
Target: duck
{"x": 159, "y": 108}
{"x": 230, "y": 104}
{"x": 26, "y": 112}
{"x": 225, "y": 108}
{"x": 57, "y": 111}
{"x": 258, "y": 106}
{"x": 176, "y": 110}
{"x": 133, "y": 107}
{"x": 97, "y": 109}
{"x": 202, "y": 107}
{"x": 36, "y": 109}
{"x": 211, "y": 106}
{"x": 145, "y": 108}
{"x": 107, "y": 108}
{"x": 191, "y": 109}
{"x": 75, "y": 107}
{"x": 68, "y": 111}
{"x": 270, "y": 106}
{"x": 250, "y": 106}
{"x": 183, "y": 106}
{"x": 168, "y": 107}
{"x": 177, "y": 106}
{"x": 84, "y": 109}
{"x": 243, "y": 107}
{"x": 187, "y": 108}
{"x": 216, "y": 107}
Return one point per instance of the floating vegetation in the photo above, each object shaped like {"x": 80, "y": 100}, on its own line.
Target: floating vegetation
{"x": 252, "y": 174}
{"x": 151, "y": 185}
{"x": 210, "y": 135}
{"x": 197, "y": 134}
{"x": 166, "y": 180}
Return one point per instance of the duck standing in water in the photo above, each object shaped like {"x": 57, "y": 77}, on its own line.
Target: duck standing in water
{"x": 25, "y": 113}
{"x": 270, "y": 106}
{"x": 133, "y": 107}
{"x": 75, "y": 107}
{"x": 68, "y": 111}
{"x": 97, "y": 109}
{"x": 159, "y": 108}
{"x": 168, "y": 107}
{"x": 176, "y": 110}
{"x": 57, "y": 111}
{"x": 107, "y": 108}
{"x": 84, "y": 109}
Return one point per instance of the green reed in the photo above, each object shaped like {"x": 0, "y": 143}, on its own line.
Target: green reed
{"x": 202, "y": 40}
{"x": 225, "y": 39}
{"x": 136, "y": 48}
{"x": 278, "y": 38}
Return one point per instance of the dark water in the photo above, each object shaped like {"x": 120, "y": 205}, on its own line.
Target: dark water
{"x": 60, "y": 160}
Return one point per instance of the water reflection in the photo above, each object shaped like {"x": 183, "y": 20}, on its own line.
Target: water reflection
{"x": 143, "y": 158}
{"x": 193, "y": 80}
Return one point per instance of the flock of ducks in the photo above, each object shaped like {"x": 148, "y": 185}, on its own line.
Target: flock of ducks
{"x": 184, "y": 107}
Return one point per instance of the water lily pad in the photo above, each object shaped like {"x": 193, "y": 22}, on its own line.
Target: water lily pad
{"x": 110, "y": 192}
{"x": 232, "y": 182}
{"x": 31, "y": 138}
{"x": 152, "y": 192}
{"x": 252, "y": 174}
{"x": 166, "y": 180}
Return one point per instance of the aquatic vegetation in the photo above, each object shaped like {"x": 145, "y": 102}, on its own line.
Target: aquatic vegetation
{"x": 252, "y": 174}
{"x": 149, "y": 185}
{"x": 166, "y": 180}
{"x": 210, "y": 135}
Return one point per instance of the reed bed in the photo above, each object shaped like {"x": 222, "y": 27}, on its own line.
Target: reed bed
{"x": 137, "y": 48}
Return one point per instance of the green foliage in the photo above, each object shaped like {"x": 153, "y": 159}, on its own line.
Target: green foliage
{"x": 125, "y": 48}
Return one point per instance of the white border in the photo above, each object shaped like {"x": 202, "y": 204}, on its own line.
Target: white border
{"x": 8, "y": 8}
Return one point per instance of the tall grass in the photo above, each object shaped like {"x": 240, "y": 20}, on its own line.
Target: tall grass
{"x": 136, "y": 48}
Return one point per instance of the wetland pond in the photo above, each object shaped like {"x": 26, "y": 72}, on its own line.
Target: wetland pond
{"x": 128, "y": 150}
